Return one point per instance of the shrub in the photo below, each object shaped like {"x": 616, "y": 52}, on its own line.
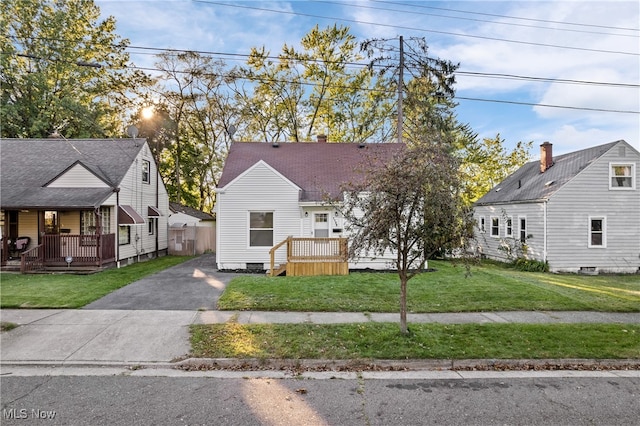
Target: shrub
{"x": 528, "y": 265}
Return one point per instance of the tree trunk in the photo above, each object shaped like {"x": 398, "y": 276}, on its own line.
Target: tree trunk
{"x": 403, "y": 305}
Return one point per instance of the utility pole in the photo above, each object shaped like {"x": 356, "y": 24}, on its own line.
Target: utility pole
{"x": 400, "y": 84}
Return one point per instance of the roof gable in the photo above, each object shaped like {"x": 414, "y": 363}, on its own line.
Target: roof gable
{"x": 77, "y": 175}
{"x": 318, "y": 169}
{"x": 529, "y": 184}
{"x": 262, "y": 163}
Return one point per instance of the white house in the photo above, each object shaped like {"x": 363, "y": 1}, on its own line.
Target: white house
{"x": 268, "y": 192}
{"x": 579, "y": 211}
{"x": 81, "y": 202}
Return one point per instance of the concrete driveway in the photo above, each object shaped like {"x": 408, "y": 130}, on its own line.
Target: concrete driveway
{"x": 190, "y": 286}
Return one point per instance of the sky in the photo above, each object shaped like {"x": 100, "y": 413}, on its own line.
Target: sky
{"x": 520, "y": 61}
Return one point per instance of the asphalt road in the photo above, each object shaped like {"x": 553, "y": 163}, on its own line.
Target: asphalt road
{"x": 129, "y": 400}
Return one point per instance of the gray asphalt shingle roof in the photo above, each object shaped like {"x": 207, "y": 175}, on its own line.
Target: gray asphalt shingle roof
{"x": 317, "y": 168}
{"x": 529, "y": 184}
{"x": 27, "y": 165}
{"x": 179, "y": 208}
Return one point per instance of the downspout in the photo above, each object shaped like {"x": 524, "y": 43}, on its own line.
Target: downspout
{"x": 117, "y": 242}
{"x": 544, "y": 250}
{"x": 158, "y": 207}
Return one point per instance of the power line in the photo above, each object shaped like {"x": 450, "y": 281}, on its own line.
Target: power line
{"x": 243, "y": 56}
{"x": 302, "y": 83}
{"x": 555, "y": 46}
{"x": 507, "y": 16}
{"x": 361, "y": 6}
{"x": 458, "y": 72}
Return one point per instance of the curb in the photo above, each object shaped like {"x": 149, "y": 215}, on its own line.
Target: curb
{"x": 251, "y": 364}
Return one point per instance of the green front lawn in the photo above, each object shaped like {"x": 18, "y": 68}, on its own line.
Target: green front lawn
{"x": 490, "y": 287}
{"x": 425, "y": 341}
{"x": 73, "y": 291}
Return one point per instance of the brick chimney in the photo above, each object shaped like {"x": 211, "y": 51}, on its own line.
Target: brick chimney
{"x": 546, "y": 156}
{"x": 322, "y": 138}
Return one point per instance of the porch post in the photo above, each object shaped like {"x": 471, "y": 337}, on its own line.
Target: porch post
{"x": 98, "y": 222}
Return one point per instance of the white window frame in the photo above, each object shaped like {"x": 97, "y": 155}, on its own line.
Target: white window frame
{"x": 146, "y": 171}
{"x": 508, "y": 227}
{"x": 249, "y": 229}
{"x": 482, "y": 225}
{"x": 590, "y": 232}
{"x": 88, "y": 221}
{"x": 151, "y": 225}
{"x": 496, "y": 227}
{"x": 521, "y": 229}
{"x": 613, "y": 176}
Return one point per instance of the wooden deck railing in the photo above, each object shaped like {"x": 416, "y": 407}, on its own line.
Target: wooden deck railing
{"x": 32, "y": 259}
{"x": 312, "y": 251}
{"x": 82, "y": 250}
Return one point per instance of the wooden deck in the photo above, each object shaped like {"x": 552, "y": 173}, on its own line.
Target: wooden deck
{"x": 312, "y": 256}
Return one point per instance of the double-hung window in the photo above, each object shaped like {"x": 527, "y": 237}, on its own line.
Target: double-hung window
{"x": 495, "y": 226}
{"x": 523, "y": 229}
{"x": 146, "y": 171}
{"x": 622, "y": 176}
{"x": 508, "y": 227}
{"x": 597, "y": 232}
{"x": 260, "y": 229}
{"x": 482, "y": 226}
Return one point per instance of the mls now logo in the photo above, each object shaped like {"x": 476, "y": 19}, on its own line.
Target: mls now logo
{"x": 14, "y": 413}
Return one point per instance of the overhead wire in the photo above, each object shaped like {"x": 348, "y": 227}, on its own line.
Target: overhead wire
{"x": 529, "y": 43}
{"x": 413, "y": 12}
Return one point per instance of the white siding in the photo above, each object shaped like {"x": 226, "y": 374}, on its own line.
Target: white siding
{"x": 588, "y": 195}
{"x": 259, "y": 189}
{"x": 77, "y": 177}
{"x": 141, "y": 195}
{"x": 490, "y": 246}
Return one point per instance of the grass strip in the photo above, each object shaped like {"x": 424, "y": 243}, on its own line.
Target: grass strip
{"x": 490, "y": 287}
{"x": 74, "y": 291}
{"x": 425, "y": 341}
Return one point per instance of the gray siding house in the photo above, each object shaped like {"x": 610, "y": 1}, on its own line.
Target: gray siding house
{"x": 80, "y": 203}
{"x": 579, "y": 211}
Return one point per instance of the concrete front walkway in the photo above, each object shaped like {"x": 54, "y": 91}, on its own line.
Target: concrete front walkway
{"x": 144, "y": 336}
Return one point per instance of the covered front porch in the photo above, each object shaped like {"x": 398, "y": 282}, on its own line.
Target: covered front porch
{"x": 65, "y": 252}
{"x": 48, "y": 240}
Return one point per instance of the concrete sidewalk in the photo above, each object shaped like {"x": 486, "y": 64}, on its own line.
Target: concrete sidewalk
{"x": 153, "y": 336}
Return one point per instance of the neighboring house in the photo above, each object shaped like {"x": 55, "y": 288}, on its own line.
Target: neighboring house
{"x": 191, "y": 231}
{"x": 578, "y": 211}
{"x": 269, "y": 192}
{"x": 184, "y": 215}
{"x": 92, "y": 202}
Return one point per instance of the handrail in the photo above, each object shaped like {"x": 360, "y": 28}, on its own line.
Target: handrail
{"x": 32, "y": 259}
{"x": 301, "y": 249}
{"x": 272, "y": 254}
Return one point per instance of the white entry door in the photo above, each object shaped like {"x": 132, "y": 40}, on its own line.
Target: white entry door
{"x": 321, "y": 225}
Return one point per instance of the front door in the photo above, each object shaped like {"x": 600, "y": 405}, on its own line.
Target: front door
{"x": 51, "y": 242}
{"x": 321, "y": 225}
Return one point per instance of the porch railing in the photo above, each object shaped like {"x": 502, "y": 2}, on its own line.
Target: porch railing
{"x": 82, "y": 250}
{"x": 314, "y": 252}
{"x": 32, "y": 259}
